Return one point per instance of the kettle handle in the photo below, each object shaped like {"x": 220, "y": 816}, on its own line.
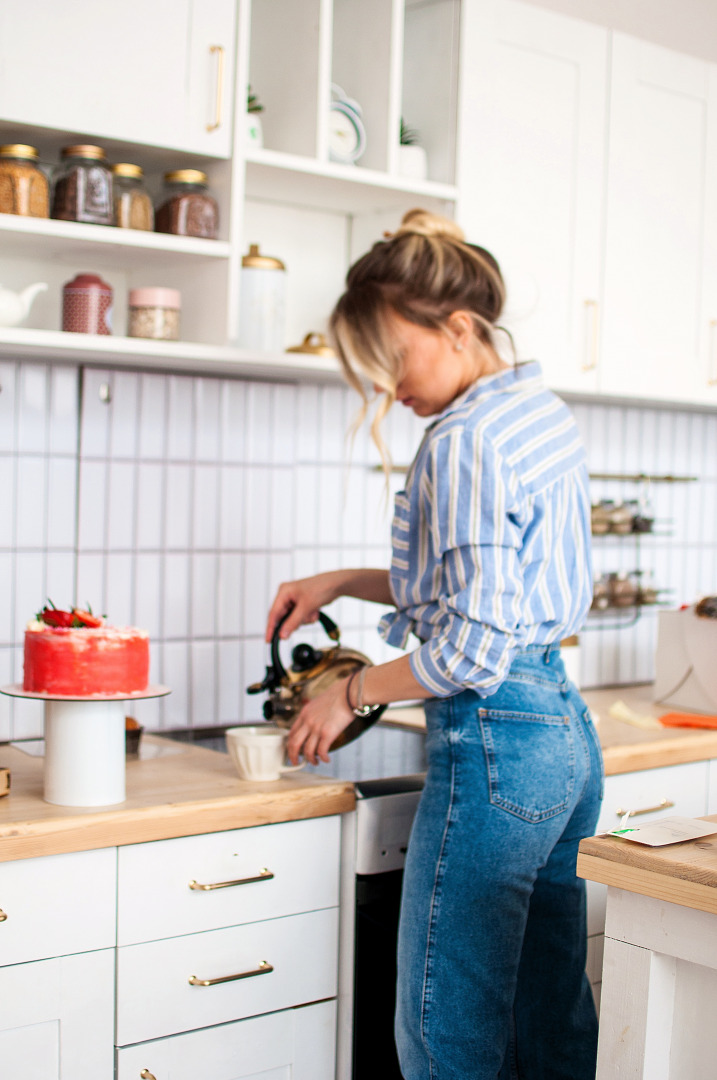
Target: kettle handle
{"x": 328, "y": 624}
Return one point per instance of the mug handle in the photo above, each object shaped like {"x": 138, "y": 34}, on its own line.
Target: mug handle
{"x": 292, "y": 768}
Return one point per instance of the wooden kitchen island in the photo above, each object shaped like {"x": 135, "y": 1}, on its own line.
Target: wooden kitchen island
{"x": 659, "y": 991}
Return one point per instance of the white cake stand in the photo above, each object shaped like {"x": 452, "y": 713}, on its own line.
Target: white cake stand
{"x": 85, "y": 745}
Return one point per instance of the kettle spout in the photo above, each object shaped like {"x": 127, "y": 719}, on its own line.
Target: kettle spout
{"x": 27, "y": 296}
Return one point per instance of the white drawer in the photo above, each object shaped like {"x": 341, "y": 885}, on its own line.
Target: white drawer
{"x": 58, "y": 904}
{"x": 155, "y": 997}
{"x": 300, "y": 1043}
{"x": 156, "y": 899}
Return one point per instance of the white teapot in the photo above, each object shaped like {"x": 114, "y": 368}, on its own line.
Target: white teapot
{"x": 14, "y": 307}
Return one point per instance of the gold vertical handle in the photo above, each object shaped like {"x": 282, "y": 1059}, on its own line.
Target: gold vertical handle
{"x": 592, "y": 343}
{"x": 147, "y": 1075}
{"x": 219, "y": 50}
{"x": 712, "y": 369}
{"x": 3, "y": 916}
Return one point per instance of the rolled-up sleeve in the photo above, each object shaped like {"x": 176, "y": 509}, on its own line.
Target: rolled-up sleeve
{"x": 472, "y": 505}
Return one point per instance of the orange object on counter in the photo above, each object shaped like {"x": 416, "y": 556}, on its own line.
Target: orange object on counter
{"x": 694, "y": 720}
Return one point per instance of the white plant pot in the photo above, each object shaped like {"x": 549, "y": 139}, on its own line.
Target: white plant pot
{"x": 254, "y": 131}
{"x": 412, "y": 162}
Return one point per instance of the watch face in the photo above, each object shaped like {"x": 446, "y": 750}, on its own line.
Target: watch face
{"x": 347, "y": 139}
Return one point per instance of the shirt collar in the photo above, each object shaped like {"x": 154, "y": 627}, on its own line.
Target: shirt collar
{"x": 507, "y": 380}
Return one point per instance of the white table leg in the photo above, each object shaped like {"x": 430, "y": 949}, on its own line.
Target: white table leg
{"x": 85, "y": 753}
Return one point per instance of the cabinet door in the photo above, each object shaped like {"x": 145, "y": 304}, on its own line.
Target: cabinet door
{"x": 136, "y": 71}
{"x": 57, "y": 1018}
{"x": 659, "y": 240}
{"x": 531, "y": 156}
{"x": 296, "y": 1044}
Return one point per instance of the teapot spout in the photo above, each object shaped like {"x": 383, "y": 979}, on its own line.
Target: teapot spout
{"x": 27, "y": 296}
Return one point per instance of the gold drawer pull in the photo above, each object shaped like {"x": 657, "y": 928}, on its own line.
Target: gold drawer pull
{"x": 147, "y": 1075}
{"x": 263, "y": 875}
{"x": 263, "y": 969}
{"x": 3, "y": 916}
{"x": 664, "y": 804}
{"x": 219, "y": 51}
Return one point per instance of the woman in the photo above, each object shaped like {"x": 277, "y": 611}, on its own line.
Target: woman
{"x": 490, "y": 569}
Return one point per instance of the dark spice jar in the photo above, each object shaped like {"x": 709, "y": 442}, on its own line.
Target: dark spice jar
{"x": 83, "y": 187}
{"x": 186, "y": 208}
{"x": 23, "y": 186}
{"x": 87, "y": 305}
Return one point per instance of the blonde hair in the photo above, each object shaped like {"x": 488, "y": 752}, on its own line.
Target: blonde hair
{"x": 424, "y": 272}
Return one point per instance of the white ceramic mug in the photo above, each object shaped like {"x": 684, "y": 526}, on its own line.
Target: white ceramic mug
{"x": 259, "y": 753}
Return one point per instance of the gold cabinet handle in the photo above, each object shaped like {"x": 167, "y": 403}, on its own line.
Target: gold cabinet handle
{"x": 263, "y": 875}
{"x": 712, "y": 371}
{"x": 219, "y": 50}
{"x": 263, "y": 969}
{"x": 592, "y": 346}
{"x": 664, "y": 804}
{"x": 3, "y": 916}
{"x": 147, "y": 1075}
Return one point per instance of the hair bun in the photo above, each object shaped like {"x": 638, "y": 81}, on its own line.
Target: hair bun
{"x": 424, "y": 223}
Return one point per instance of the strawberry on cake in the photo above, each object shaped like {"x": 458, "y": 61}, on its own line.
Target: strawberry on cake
{"x": 76, "y": 654}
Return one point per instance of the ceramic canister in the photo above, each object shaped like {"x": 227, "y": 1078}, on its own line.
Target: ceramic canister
{"x": 87, "y": 305}
{"x": 263, "y": 302}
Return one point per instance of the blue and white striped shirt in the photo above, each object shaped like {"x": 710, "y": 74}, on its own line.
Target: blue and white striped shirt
{"x": 491, "y": 537}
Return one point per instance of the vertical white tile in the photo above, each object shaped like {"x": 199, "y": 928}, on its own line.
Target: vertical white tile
{"x": 60, "y": 578}
{"x": 280, "y": 569}
{"x": 31, "y": 502}
{"x": 307, "y": 505}
{"x": 255, "y": 599}
{"x": 62, "y": 502}
{"x": 123, "y": 429}
{"x": 282, "y": 508}
{"x": 7, "y": 493}
{"x": 176, "y": 594}
{"x": 254, "y": 655}
{"x": 28, "y": 718}
{"x": 258, "y": 422}
{"x": 233, "y": 420}
{"x": 180, "y": 433}
{"x": 91, "y": 582}
{"x": 257, "y": 519}
{"x": 229, "y": 595}
{"x": 204, "y": 595}
{"x": 152, "y": 416}
{"x": 64, "y": 404}
{"x": 147, "y": 592}
{"x": 206, "y": 404}
{"x": 333, "y": 424}
{"x": 95, "y": 418}
{"x": 93, "y": 513}
{"x": 30, "y": 590}
{"x": 178, "y": 516}
{"x": 307, "y": 423}
{"x": 230, "y": 688}
{"x": 206, "y": 510}
{"x": 119, "y": 595}
{"x": 32, "y": 434}
{"x": 175, "y": 675}
{"x": 149, "y": 505}
{"x": 121, "y": 505}
{"x": 7, "y": 635}
{"x": 233, "y": 507}
{"x": 331, "y": 505}
{"x": 204, "y": 683}
{"x": 7, "y": 677}
{"x": 8, "y": 402}
{"x": 283, "y": 445}
{"x": 148, "y": 712}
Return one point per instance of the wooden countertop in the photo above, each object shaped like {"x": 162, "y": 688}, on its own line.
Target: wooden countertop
{"x": 684, "y": 874}
{"x": 184, "y": 793}
{"x": 625, "y": 748}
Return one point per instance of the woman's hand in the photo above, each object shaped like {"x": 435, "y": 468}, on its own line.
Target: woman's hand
{"x": 320, "y": 721}
{"x": 303, "y": 599}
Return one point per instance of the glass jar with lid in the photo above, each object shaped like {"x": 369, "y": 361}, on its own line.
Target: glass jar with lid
{"x": 83, "y": 187}
{"x": 24, "y": 188}
{"x": 133, "y": 206}
{"x": 186, "y": 207}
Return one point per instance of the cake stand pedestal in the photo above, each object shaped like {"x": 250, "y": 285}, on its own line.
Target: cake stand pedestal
{"x": 85, "y": 745}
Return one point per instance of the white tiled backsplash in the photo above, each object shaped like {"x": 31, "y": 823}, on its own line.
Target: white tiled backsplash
{"x": 181, "y": 502}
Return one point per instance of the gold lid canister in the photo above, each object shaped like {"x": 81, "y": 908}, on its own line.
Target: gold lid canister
{"x": 19, "y": 150}
{"x": 84, "y": 151}
{"x": 186, "y": 176}
{"x": 123, "y": 168}
{"x": 261, "y": 262}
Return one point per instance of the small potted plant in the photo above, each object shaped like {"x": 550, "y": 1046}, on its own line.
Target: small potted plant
{"x": 254, "y": 132}
{"x": 412, "y": 161}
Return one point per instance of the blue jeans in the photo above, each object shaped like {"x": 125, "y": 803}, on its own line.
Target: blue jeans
{"x": 492, "y": 939}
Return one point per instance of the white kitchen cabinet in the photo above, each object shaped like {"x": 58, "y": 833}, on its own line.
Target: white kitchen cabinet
{"x": 532, "y": 135}
{"x": 159, "y": 73}
{"x": 660, "y": 298}
{"x": 57, "y": 1018}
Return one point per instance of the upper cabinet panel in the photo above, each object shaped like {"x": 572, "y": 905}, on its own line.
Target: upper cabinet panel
{"x": 532, "y": 136}
{"x": 159, "y": 74}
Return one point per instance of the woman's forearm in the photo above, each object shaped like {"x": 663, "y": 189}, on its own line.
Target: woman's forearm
{"x": 367, "y": 584}
{"x": 386, "y": 683}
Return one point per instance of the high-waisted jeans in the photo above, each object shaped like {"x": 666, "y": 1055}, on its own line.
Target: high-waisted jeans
{"x": 492, "y": 939}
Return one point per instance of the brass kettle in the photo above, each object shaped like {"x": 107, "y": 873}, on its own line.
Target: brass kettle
{"x": 312, "y": 671}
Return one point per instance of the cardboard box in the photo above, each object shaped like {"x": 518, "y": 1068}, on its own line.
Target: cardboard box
{"x": 4, "y": 781}
{"x": 686, "y": 661}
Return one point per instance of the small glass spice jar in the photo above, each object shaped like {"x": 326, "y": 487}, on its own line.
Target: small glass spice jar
{"x": 133, "y": 206}
{"x": 83, "y": 187}
{"x": 87, "y": 305}
{"x": 24, "y": 188}
{"x": 186, "y": 207}
{"x": 154, "y": 313}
